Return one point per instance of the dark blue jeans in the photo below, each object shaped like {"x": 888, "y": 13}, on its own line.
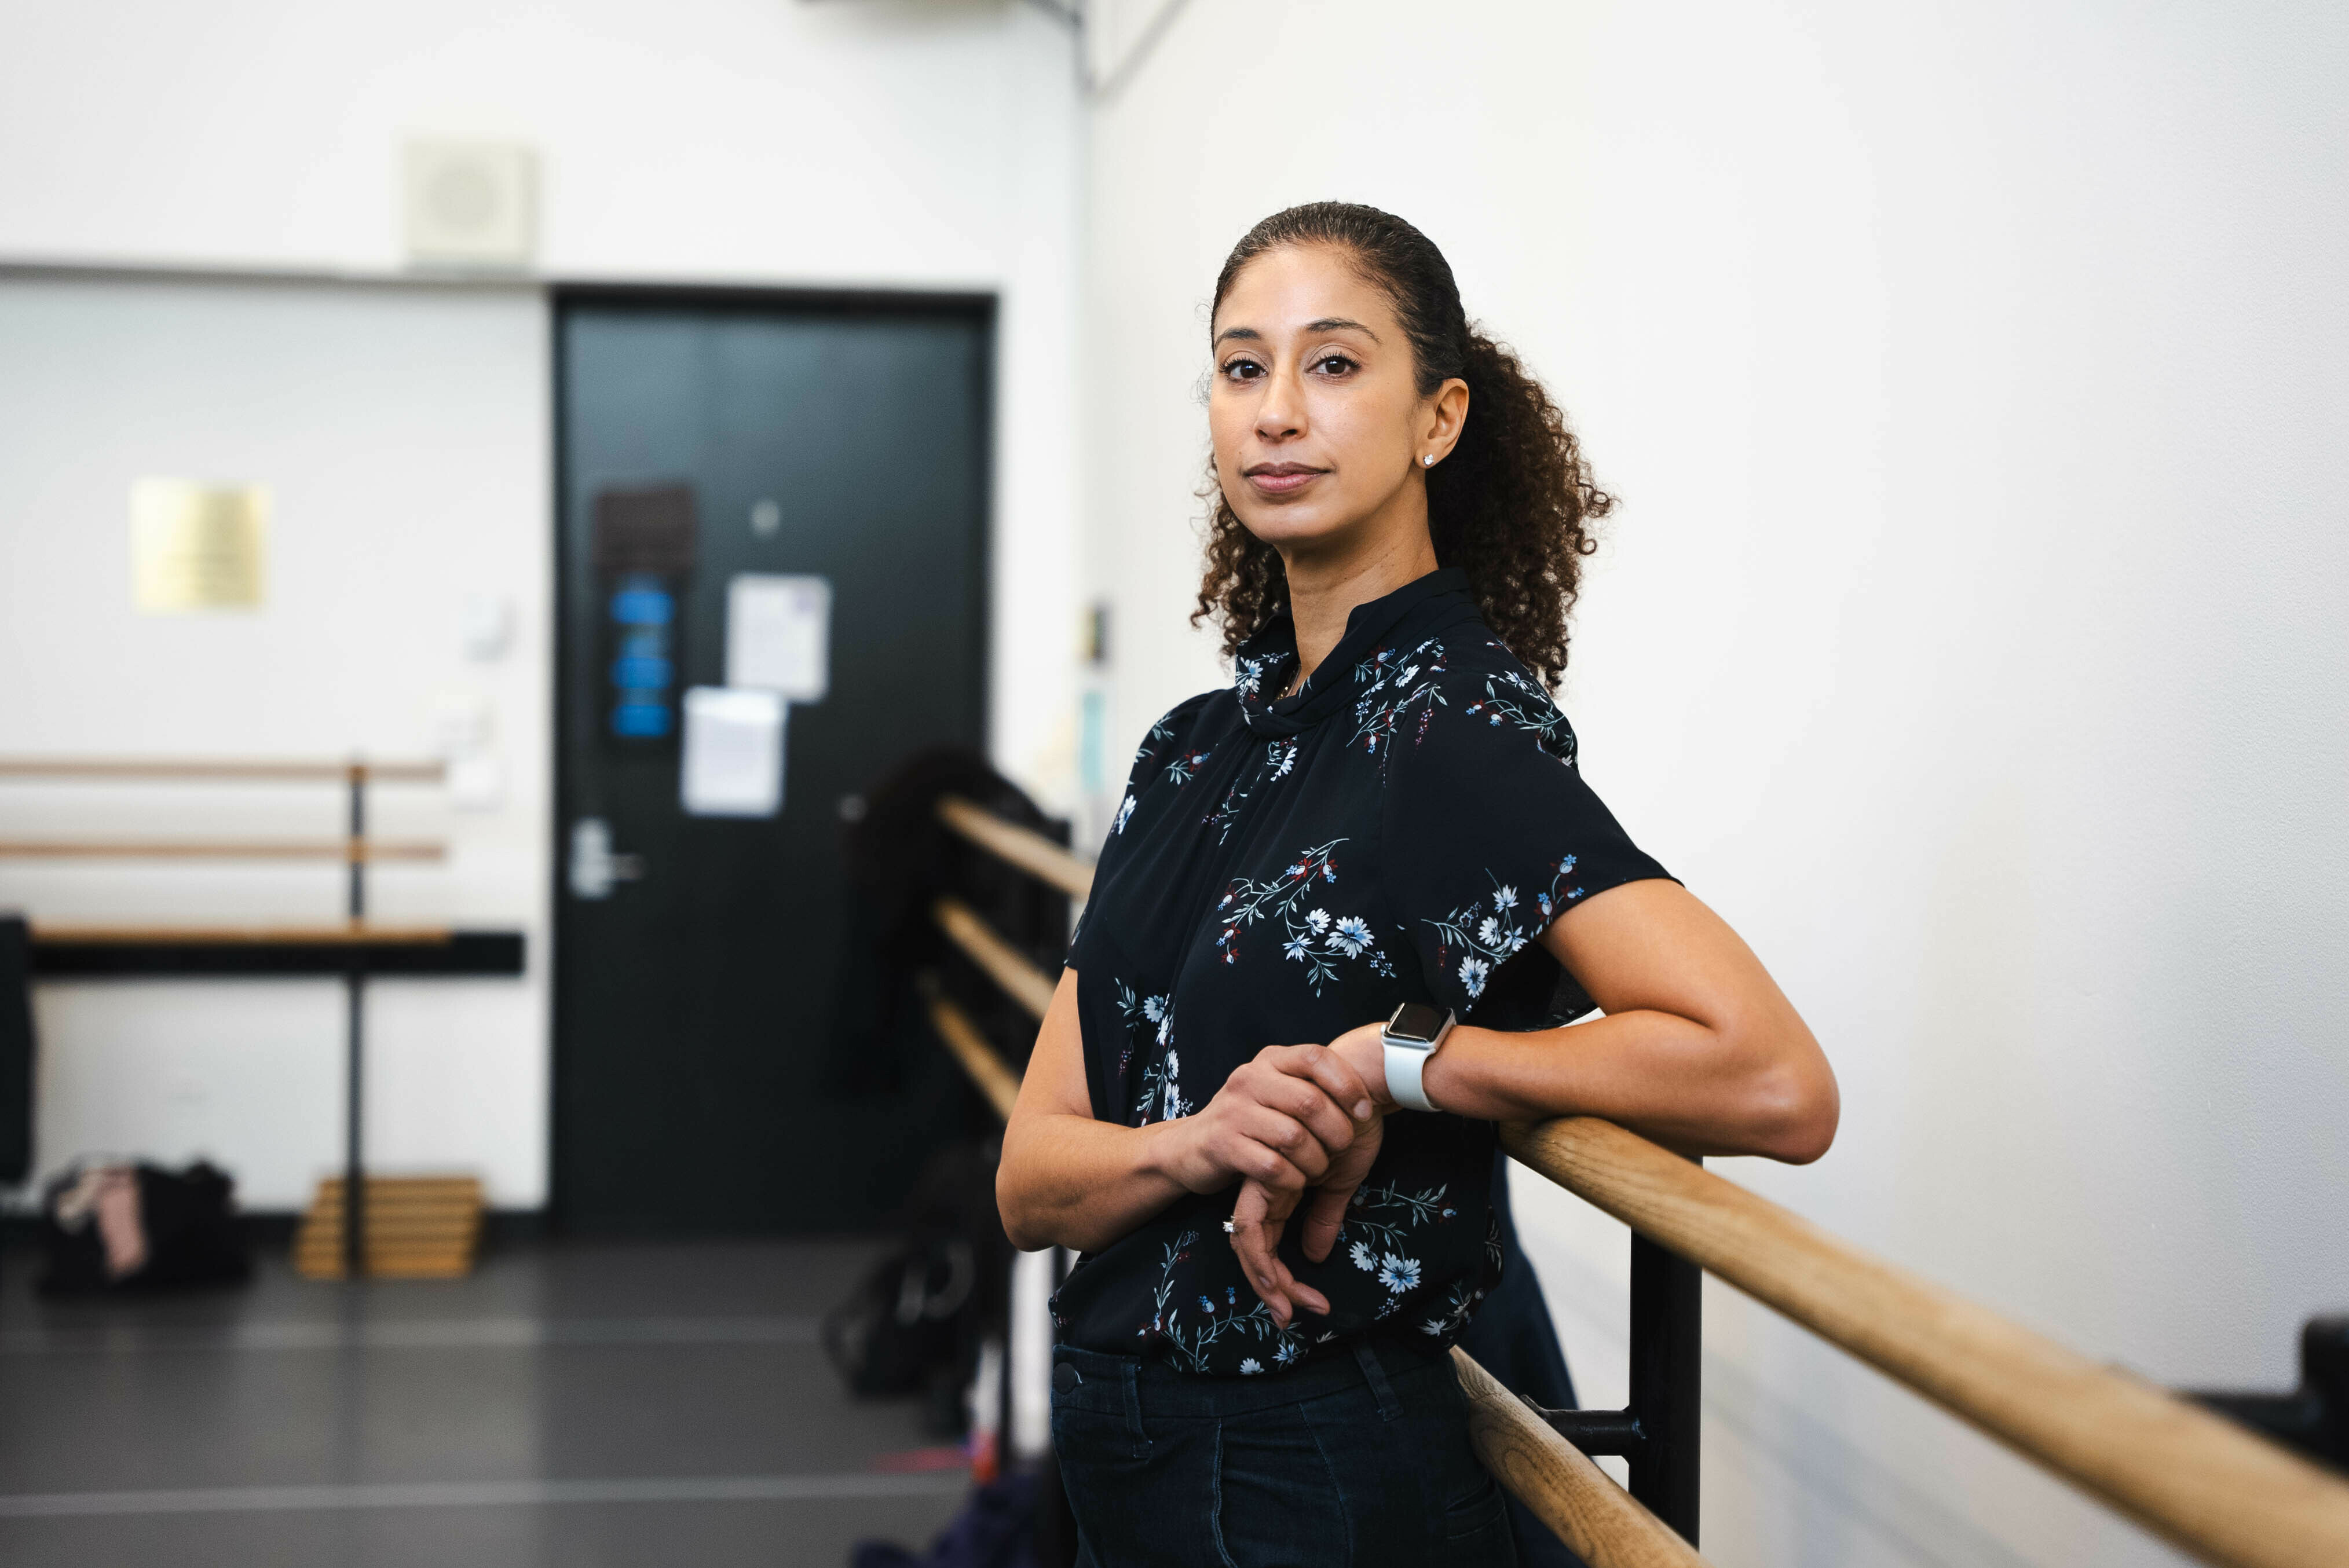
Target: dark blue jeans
{"x": 1354, "y": 1462}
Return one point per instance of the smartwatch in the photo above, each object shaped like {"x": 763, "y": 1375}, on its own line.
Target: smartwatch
{"x": 1411, "y": 1037}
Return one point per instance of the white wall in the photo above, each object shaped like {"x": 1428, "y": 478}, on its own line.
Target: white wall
{"x": 402, "y": 433}
{"x": 1972, "y": 377}
{"x": 876, "y": 144}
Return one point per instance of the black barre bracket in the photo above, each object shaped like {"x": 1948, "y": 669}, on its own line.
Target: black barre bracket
{"x": 1658, "y": 1432}
{"x": 2312, "y": 1418}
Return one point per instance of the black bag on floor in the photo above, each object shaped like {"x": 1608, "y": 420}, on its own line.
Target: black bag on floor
{"x": 915, "y": 1323}
{"x": 108, "y": 1229}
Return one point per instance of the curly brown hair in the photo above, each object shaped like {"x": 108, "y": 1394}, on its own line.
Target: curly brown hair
{"x": 1512, "y": 505}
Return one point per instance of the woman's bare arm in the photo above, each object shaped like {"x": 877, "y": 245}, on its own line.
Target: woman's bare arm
{"x": 1699, "y": 1049}
{"x": 1069, "y": 1180}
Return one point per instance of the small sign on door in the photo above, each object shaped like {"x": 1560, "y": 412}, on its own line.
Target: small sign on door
{"x": 733, "y": 761}
{"x": 779, "y": 635}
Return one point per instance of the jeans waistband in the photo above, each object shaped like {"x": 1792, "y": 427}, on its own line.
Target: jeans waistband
{"x": 1130, "y": 1385}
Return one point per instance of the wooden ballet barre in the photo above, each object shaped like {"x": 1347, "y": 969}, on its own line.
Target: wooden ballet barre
{"x": 221, "y": 769}
{"x": 1023, "y": 847}
{"x": 351, "y": 851}
{"x": 987, "y": 1071}
{"x": 1004, "y": 963}
{"x": 2207, "y": 1485}
{"x": 1604, "y": 1524}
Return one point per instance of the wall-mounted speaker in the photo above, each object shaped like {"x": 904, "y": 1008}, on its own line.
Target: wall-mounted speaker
{"x": 470, "y": 204}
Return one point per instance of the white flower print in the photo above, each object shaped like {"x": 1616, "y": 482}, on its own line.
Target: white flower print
{"x": 1314, "y": 937}
{"x": 1388, "y": 695}
{"x": 1124, "y": 810}
{"x": 1399, "y": 1274}
{"x": 1290, "y": 1351}
{"x": 1472, "y": 976}
{"x": 1158, "y": 1096}
{"x": 1279, "y": 756}
{"x": 1189, "y": 1344}
{"x": 1486, "y": 939}
{"x": 1424, "y": 1207}
{"x": 1136, "y": 1010}
{"x": 1183, "y": 764}
{"x": 1461, "y": 1303}
{"x": 1529, "y": 707}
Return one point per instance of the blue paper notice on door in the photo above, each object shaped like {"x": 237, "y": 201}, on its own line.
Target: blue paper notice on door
{"x": 733, "y": 754}
{"x": 779, "y": 634}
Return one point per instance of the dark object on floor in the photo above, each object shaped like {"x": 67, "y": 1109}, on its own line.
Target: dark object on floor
{"x": 996, "y": 1529}
{"x": 16, "y": 1050}
{"x": 108, "y": 1230}
{"x": 1513, "y": 1337}
{"x": 915, "y": 1324}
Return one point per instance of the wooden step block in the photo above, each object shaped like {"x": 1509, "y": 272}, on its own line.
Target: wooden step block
{"x": 417, "y": 1227}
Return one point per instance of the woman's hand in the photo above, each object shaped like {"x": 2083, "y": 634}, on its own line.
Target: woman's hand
{"x": 1279, "y": 1120}
{"x": 1262, "y": 1210}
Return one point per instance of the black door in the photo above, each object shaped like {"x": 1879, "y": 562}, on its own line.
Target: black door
{"x": 843, "y": 440}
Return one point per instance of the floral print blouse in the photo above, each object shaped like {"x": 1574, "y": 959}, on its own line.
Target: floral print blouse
{"x": 1403, "y": 830}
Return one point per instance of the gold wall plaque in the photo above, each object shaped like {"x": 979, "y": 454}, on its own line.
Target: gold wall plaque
{"x": 198, "y": 547}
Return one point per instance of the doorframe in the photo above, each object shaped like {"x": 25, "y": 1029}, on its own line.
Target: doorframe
{"x": 980, "y": 307}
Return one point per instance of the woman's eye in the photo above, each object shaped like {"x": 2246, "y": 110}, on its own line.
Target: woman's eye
{"x": 1243, "y": 370}
{"x": 1333, "y": 365}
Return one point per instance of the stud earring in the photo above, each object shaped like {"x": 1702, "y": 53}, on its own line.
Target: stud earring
{"x": 1428, "y": 460}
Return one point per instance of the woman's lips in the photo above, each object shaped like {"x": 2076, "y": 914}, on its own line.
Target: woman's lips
{"x": 1284, "y": 481}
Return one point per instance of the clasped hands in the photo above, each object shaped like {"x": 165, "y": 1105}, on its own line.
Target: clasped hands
{"x": 1300, "y": 1126}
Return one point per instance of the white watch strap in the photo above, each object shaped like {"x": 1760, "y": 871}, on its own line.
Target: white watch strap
{"x": 1404, "y": 1064}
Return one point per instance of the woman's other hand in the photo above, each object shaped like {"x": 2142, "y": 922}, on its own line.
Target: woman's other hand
{"x": 1262, "y": 1211}
{"x": 1278, "y": 1119}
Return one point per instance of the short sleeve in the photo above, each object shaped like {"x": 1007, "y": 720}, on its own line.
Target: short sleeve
{"x": 1164, "y": 740}
{"x": 1488, "y": 833}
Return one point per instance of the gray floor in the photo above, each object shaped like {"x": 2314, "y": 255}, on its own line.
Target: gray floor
{"x": 583, "y": 1405}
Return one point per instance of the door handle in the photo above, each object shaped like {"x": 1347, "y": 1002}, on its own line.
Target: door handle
{"x": 595, "y": 869}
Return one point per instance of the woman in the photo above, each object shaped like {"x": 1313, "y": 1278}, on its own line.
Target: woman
{"x": 1383, "y": 809}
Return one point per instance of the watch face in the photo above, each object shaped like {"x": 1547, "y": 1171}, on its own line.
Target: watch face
{"x": 1415, "y": 1021}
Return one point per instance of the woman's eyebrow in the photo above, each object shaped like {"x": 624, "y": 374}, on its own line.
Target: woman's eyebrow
{"x": 1327, "y": 323}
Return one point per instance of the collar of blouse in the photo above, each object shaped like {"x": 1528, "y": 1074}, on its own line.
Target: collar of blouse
{"x": 1267, "y": 662}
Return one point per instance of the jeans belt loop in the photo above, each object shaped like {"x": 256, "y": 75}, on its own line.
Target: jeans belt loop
{"x": 1132, "y": 1378}
{"x": 1375, "y": 1375}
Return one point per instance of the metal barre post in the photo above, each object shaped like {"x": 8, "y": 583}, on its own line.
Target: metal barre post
{"x": 1667, "y": 1383}
{"x": 354, "y": 1101}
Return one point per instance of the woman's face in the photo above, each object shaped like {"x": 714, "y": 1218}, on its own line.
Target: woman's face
{"x": 1318, "y": 426}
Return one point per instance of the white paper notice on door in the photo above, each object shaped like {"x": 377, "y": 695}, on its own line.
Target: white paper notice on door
{"x": 779, "y": 635}
{"x": 733, "y": 753}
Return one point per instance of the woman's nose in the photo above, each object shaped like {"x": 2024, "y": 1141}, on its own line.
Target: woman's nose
{"x": 1281, "y": 415}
